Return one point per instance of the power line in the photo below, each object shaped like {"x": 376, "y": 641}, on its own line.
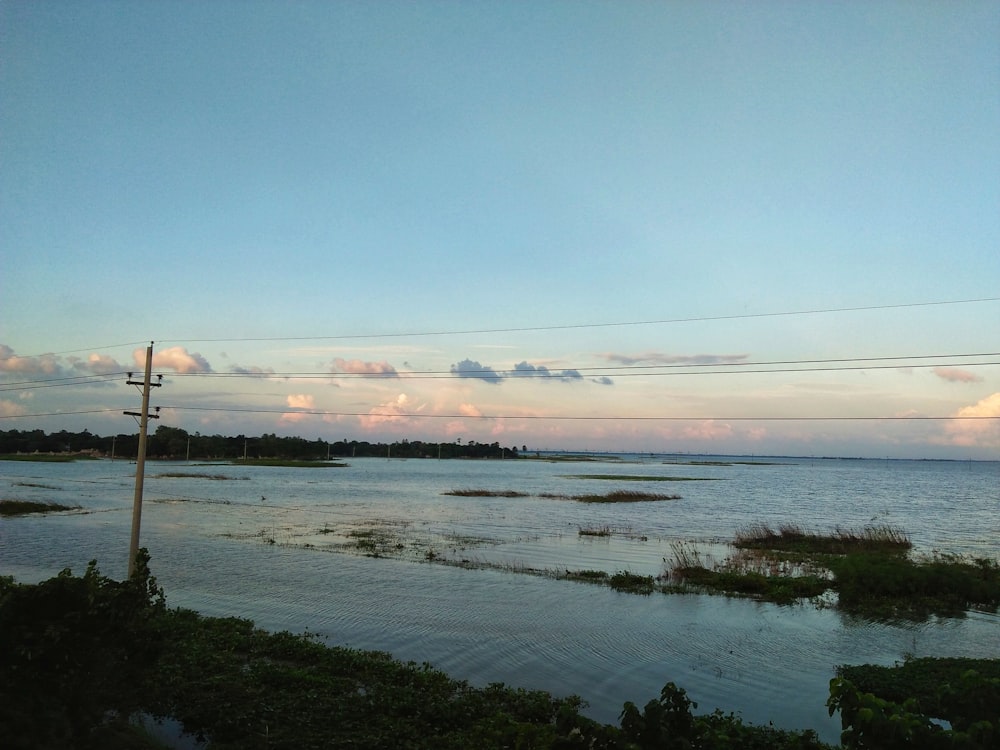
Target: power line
{"x": 27, "y": 385}
{"x": 573, "y": 326}
{"x": 322, "y": 413}
{"x": 684, "y": 368}
{"x": 615, "y": 369}
{"x": 527, "y": 329}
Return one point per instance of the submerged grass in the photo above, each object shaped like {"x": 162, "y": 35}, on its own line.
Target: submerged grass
{"x": 289, "y": 463}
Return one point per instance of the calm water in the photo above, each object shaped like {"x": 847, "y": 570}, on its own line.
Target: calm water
{"x": 210, "y": 535}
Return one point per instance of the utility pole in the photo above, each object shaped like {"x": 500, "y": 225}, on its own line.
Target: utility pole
{"x": 140, "y": 461}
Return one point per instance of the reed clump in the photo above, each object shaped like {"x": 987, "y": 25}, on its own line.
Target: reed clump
{"x": 793, "y": 538}
{"x": 480, "y": 492}
{"x": 624, "y": 496}
{"x": 23, "y": 507}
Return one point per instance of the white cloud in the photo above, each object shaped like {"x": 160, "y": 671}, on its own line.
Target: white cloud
{"x": 175, "y": 358}
{"x": 978, "y": 425}
{"x": 99, "y": 364}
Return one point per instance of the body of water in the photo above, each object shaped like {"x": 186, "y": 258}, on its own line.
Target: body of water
{"x": 359, "y": 554}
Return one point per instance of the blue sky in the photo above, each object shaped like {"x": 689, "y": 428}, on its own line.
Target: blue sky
{"x": 555, "y": 192}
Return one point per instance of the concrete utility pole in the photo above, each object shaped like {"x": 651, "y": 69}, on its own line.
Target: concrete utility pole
{"x": 140, "y": 461}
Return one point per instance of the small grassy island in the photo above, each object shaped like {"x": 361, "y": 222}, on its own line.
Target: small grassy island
{"x": 23, "y": 507}
{"x": 79, "y": 655}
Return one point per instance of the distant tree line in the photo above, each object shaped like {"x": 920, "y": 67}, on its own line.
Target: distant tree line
{"x": 178, "y": 444}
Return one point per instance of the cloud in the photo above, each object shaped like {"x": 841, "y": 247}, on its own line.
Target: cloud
{"x": 523, "y": 369}
{"x": 253, "y": 371}
{"x": 11, "y": 409}
{"x": 603, "y": 380}
{"x": 659, "y": 358}
{"x": 954, "y": 375}
{"x": 98, "y": 364}
{"x": 469, "y": 410}
{"x": 470, "y": 369}
{"x": 46, "y": 364}
{"x": 708, "y": 429}
{"x": 301, "y": 401}
{"x": 977, "y": 425}
{"x": 175, "y": 358}
{"x": 396, "y": 411}
{"x": 359, "y": 367}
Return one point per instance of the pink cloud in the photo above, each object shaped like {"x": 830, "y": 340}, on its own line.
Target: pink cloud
{"x": 359, "y": 367}
{"x": 46, "y": 364}
{"x": 396, "y": 411}
{"x": 301, "y": 401}
{"x": 709, "y": 429}
{"x": 660, "y": 358}
{"x": 175, "y": 358}
{"x": 954, "y": 375}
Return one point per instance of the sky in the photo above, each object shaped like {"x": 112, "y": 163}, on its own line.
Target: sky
{"x": 705, "y": 227}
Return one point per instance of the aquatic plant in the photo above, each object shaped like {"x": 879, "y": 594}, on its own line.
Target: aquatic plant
{"x": 23, "y": 507}
{"x": 790, "y": 537}
{"x": 471, "y": 492}
{"x": 624, "y": 496}
{"x": 632, "y": 583}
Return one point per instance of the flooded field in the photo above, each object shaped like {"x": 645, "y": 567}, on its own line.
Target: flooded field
{"x": 456, "y": 563}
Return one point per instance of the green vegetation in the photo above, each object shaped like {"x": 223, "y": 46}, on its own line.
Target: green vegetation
{"x": 172, "y": 443}
{"x": 631, "y": 583}
{"x": 290, "y": 463}
{"x": 58, "y": 458}
{"x": 905, "y": 707}
{"x": 471, "y": 492}
{"x": 869, "y": 570}
{"x": 23, "y": 507}
{"x": 792, "y": 538}
{"x": 636, "y": 478}
{"x": 624, "y": 496}
{"x": 892, "y": 586}
{"x": 192, "y": 475}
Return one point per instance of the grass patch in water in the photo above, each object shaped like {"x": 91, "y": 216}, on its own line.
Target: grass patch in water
{"x": 289, "y": 463}
{"x": 474, "y": 492}
{"x": 870, "y": 572}
{"x": 792, "y": 538}
{"x": 631, "y": 583}
{"x": 192, "y": 475}
{"x": 24, "y": 507}
{"x": 624, "y": 496}
{"x": 636, "y": 478}
{"x": 893, "y": 586}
